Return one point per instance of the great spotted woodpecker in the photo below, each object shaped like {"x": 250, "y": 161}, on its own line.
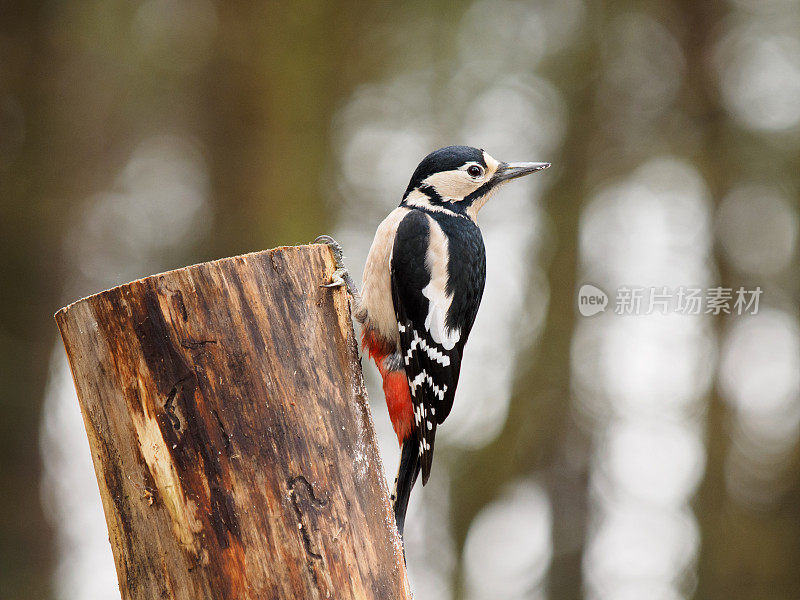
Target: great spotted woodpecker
{"x": 423, "y": 283}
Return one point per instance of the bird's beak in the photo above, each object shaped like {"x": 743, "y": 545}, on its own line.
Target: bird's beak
{"x": 508, "y": 171}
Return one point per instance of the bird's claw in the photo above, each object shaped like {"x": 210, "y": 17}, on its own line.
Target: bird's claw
{"x": 340, "y": 276}
{"x": 337, "y": 279}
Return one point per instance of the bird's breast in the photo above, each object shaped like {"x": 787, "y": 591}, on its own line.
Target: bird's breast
{"x": 376, "y": 290}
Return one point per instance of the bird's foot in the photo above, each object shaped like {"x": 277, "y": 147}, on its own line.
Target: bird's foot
{"x": 337, "y": 279}
{"x": 341, "y": 275}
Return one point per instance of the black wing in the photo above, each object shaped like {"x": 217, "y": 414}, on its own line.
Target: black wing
{"x": 431, "y": 369}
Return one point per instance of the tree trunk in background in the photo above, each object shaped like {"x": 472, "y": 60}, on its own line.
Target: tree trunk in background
{"x": 32, "y": 188}
{"x": 230, "y": 433}
{"x": 270, "y": 92}
{"x": 744, "y": 550}
{"x": 540, "y": 435}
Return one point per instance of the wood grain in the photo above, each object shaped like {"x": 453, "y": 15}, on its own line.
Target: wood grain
{"x": 230, "y": 433}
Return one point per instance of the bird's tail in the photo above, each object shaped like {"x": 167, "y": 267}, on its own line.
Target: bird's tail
{"x": 406, "y": 477}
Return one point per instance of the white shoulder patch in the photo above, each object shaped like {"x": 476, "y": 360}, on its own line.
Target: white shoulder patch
{"x": 439, "y": 300}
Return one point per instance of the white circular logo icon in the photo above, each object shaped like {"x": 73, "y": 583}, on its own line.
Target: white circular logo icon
{"x": 591, "y": 300}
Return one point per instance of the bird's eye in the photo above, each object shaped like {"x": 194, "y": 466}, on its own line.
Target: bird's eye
{"x": 475, "y": 171}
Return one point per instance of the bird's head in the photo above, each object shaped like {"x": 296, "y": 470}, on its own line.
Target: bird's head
{"x": 461, "y": 179}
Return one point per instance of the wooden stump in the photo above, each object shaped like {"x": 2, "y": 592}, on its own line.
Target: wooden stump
{"x": 230, "y": 433}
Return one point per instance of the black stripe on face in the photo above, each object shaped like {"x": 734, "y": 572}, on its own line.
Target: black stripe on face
{"x": 432, "y": 194}
{"x": 480, "y": 192}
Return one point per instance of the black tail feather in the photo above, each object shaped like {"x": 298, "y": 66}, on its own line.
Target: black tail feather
{"x": 406, "y": 477}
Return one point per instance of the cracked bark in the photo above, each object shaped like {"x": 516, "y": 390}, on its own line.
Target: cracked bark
{"x": 230, "y": 434}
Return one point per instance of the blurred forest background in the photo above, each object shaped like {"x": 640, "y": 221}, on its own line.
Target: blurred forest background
{"x": 613, "y": 457}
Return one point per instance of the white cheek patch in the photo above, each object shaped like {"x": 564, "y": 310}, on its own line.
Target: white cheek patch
{"x": 439, "y": 300}
{"x": 453, "y": 185}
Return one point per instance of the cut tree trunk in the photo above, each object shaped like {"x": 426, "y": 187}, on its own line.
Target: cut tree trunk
{"x": 230, "y": 433}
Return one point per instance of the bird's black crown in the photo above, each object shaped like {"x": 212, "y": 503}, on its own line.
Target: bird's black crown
{"x": 444, "y": 159}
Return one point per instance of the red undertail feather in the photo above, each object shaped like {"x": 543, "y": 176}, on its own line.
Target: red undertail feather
{"x": 395, "y": 385}
{"x": 377, "y": 347}
{"x": 398, "y": 399}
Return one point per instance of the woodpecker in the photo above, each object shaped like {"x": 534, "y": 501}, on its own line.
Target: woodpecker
{"x": 423, "y": 282}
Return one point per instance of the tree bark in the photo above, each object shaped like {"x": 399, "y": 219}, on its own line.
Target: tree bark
{"x": 230, "y": 433}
